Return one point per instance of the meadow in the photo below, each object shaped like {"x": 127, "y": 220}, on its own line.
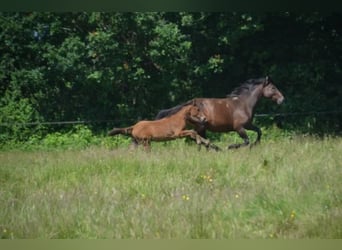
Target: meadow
{"x": 288, "y": 188}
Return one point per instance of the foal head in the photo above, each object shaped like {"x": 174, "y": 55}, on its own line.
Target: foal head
{"x": 271, "y": 91}
{"x": 195, "y": 115}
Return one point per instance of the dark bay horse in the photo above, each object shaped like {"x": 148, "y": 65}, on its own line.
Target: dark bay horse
{"x": 235, "y": 112}
{"x": 168, "y": 128}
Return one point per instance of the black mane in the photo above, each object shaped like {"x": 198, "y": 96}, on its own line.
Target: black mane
{"x": 246, "y": 87}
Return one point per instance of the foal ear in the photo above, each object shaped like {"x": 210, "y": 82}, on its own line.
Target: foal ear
{"x": 195, "y": 103}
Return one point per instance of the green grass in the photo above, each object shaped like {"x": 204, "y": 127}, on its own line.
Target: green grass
{"x": 284, "y": 188}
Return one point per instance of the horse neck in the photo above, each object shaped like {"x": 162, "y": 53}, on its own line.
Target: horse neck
{"x": 253, "y": 97}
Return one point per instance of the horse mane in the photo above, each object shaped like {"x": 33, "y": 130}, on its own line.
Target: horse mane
{"x": 171, "y": 111}
{"x": 246, "y": 87}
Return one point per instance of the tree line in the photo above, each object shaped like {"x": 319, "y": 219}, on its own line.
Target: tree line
{"x": 125, "y": 66}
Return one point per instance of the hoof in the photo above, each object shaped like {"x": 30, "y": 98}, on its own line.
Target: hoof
{"x": 213, "y": 146}
{"x": 230, "y": 147}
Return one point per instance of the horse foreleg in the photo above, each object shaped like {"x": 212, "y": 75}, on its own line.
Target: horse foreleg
{"x": 202, "y": 132}
{"x": 242, "y": 133}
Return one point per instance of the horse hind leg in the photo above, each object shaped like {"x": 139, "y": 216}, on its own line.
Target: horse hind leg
{"x": 257, "y": 130}
{"x": 242, "y": 133}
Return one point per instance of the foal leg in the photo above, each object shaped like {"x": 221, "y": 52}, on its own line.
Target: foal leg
{"x": 194, "y": 135}
{"x": 134, "y": 144}
{"x": 242, "y": 133}
{"x": 206, "y": 142}
{"x": 147, "y": 145}
{"x": 199, "y": 139}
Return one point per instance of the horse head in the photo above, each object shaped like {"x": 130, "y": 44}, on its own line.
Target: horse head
{"x": 271, "y": 91}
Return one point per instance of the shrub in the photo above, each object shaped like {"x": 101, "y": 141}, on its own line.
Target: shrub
{"x": 15, "y": 113}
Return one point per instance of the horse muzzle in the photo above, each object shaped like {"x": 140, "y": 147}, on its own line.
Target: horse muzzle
{"x": 280, "y": 100}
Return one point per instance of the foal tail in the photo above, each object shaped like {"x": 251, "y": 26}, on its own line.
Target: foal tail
{"x": 122, "y": 131}
{"x": 171, "y": 111}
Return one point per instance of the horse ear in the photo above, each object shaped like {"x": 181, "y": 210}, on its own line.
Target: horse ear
{"x": 267, "y": 80}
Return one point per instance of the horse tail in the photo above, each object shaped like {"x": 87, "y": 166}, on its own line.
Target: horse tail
{"x": 171, "y": 111}
{"x": 122, "y": 131}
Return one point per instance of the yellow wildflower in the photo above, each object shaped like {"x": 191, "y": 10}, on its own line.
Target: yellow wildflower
{"x": 293, "y": 214}
{"x": 185, "y": 197}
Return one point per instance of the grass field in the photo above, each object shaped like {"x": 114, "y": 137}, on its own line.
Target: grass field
{"x": 287, "y": 188}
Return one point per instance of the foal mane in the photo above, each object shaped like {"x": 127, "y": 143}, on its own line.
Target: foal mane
{"x": 246, "y": 87}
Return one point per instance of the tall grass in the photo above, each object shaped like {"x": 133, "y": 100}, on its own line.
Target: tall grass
{"x": 285, "y": 188}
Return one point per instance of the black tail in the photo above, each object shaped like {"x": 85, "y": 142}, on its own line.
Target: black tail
{"x": 171, "y": 111}
{"x": 122, "y": 131}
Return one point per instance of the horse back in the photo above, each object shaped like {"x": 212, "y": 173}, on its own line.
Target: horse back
{"x": 219, "y": 112}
